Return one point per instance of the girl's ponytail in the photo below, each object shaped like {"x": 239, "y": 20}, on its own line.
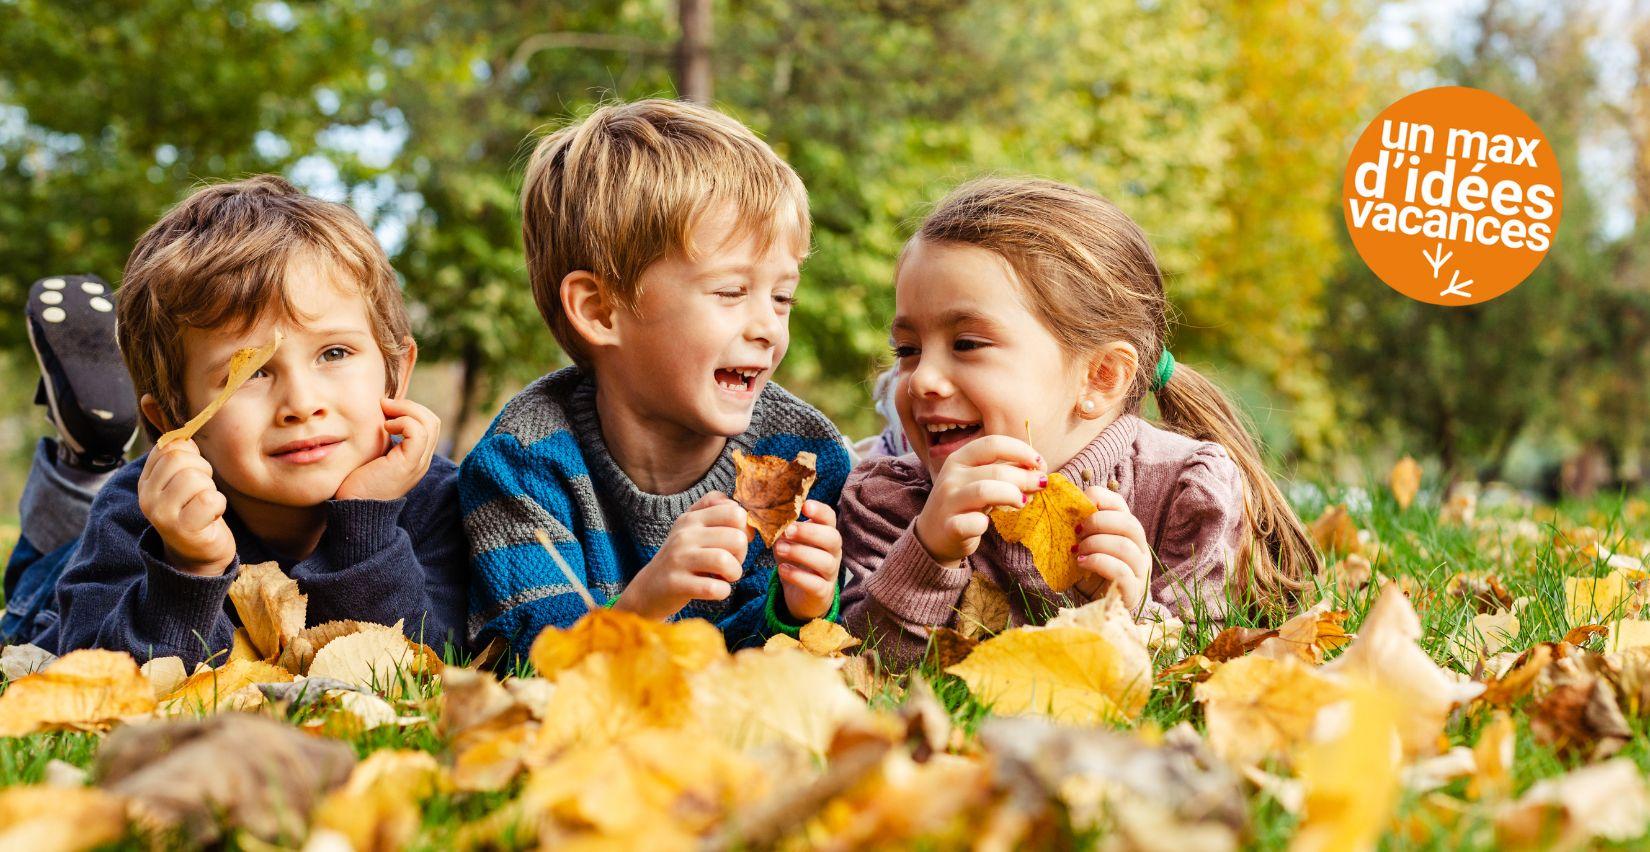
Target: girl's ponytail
{"x": 1278, "y": 560}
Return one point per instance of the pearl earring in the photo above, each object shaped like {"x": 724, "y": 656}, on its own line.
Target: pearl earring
{"x": 1088, "y": 406}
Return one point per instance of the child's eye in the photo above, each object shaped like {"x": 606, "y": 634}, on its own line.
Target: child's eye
{"x": 335, "y": 353}
{"x": 904, "y": 351}
{"x": 965, "y": 345}
{"x": 731, "y": 294}
{"x": 784, "y": 298}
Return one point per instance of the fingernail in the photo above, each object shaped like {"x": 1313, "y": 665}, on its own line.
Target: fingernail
{"x": 1024, "y": 498}
{"x": 1074, "y": 548}
{"x": 790, "y": 531}
{"x": 1077, "y": 528}
{"x": 1042, "y": 482}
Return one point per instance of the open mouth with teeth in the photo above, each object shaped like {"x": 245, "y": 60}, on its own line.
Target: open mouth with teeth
{"x": 946, "y": 437}
{"x": 737, "y": 379}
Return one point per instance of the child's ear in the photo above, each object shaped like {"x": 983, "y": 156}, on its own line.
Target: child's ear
{"x": 152, "y": 413}
{"x": 589, "y": 311}
{"x": 409, "y": 358}
{"x": 1111, "y": 373}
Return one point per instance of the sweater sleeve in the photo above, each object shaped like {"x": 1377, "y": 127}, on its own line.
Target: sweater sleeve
{"x": 119, "y": 592}
{"x": 509, "y": 492}
{"x": 1201, "y": 535}
{"x": 385, "y": 561}
{"x": 895, "y": 590}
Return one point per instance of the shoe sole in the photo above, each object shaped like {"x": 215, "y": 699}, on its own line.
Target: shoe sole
{"x": 41, "y": 316}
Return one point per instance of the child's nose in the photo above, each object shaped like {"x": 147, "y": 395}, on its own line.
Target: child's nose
{"x": 300, "y": 400}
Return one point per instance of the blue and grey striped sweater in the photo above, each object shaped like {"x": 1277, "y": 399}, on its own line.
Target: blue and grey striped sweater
{"x": 543, "y": 465}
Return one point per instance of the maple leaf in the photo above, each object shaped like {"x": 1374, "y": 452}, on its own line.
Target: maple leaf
{"x": 1047, "y": 526}
{"x": 242, "y": 365}
{"x": 82, "y": 690}
{"x": 270, "y": 606}
{"x": 772, "y": 490}
{"x": 1068, "y": 673}
{"x": 1405, "y": 480}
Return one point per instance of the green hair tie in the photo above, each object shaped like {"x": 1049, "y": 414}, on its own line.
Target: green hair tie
{"x": 1165, "y": 369}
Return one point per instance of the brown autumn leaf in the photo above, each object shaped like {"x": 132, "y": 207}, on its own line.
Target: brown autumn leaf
{"x": 82, "y": 690}
{"x": 1234, "y": 642}
{"x": 1047, "y": 526}
{"x": 46, "y": 818}
{"x": 1483, "y": 589}
{"x": 948, "y": 647}
{"x": 1349, "y": 574}
{"x": 1578, "y": 715}
{"x": 250, "y": 772}
{"x": 1582, "y": 634}
{"x": 1521, "y": 678}
{"x": 772, "y": 490}
{"x": 984, "y": 609}
{"x": 242, "y": 365}
{"x": 300, "y": 651}
{"x": 270, "y": 606}
{"x": 1259, "y": 707}
{"x": 1309, "y": 635}
{"x": 1406, "y": 481}
{"x": 1334, "y": 531}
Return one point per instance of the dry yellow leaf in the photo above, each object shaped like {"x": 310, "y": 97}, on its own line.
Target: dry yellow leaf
{"x": 489, "y": 758}
{"x": 377, "y": 809}
{"x": 82, "y": 690}
{"x": 1406, "y": 481}
{"x": 1351, "y": 779}
{"x": 1047, "y": 526}
{"x": 609, "y": 695}
{"x": 165, "y": 675}
{"x": 1590, "y": 600}
{"x": 300, "y": 650}
{"x": 1072, "y": 674}
{"x": 1604, "y": 801}
{"x": 377, "y": 658}
{"x": 229, "y": 687}
{"x": 984, "y": 609}
{"x": 1385, "y": 653}
{"x": 242, "y": 365}
{"x": 692, "y": 643}
{"x": 241, "y": 649}
{"x": 1485, "y": 636}
{"x": 1493, "y": 759}
{"x": 1627, "y": 634}
{"x": 1259, "y": 707}
{"x": 825, "y": 638}
{"x": 1309, "y": 634}
{"x": 59, "y": 819}
{"x": 772, "y": 490}
{"x": 790, "y": 698}
{"x": 270, "y": 606}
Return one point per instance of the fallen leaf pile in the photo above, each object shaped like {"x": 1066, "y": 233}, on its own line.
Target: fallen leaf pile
{"x": 1359, "y": 716}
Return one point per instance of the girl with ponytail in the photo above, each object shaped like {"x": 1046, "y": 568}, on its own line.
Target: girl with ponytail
{"x": 1030, "y": 322}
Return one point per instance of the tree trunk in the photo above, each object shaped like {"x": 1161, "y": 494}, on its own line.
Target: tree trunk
{"x": 693, "y": 77}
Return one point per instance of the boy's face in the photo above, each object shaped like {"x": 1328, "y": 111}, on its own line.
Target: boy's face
{"x": 709, "y": 331}
{"x": 311, "y": 416}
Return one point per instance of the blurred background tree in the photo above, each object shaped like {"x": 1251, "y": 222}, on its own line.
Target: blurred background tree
{"x": 1222, "y": 126}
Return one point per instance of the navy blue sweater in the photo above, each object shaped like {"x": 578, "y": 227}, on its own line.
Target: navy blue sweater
{"x": 378, "y": 561}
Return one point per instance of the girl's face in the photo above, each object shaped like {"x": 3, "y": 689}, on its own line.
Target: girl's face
{"x": 974, "y": 360}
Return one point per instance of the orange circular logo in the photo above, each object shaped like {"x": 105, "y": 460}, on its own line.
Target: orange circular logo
{"x": 1452, "y": 196}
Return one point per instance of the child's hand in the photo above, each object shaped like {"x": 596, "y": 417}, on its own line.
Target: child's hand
{"x": 176, "y": 493}
{"x": 810, "y": 557}
{"x": 992, "y": 471}
{"x": 393, "y": 474}
{"x": 702, "y": 558}
{"x": 1111, "y": 547}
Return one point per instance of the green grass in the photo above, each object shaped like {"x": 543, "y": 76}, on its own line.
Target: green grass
{"x": 1414, "y": 544}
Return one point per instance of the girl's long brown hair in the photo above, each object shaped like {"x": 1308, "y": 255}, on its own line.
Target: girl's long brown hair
{"x": 1091, "y": 275}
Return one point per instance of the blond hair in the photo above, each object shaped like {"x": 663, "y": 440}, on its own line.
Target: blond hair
{"x": 219, "y": 259}
{"x": 626, "y": 186}
{"x": 1090, "y": 274}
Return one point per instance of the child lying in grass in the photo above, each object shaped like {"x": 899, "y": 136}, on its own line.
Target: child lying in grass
{"x": 318, "y": 462}
{"x": 1029, "y": 324}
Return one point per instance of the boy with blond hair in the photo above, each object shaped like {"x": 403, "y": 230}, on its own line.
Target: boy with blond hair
{"x": 318, "y": 462}
{"x": 663, "y": 243}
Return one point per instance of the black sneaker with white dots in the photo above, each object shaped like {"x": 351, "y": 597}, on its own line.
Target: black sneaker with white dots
{"x": 83, "y": 381}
